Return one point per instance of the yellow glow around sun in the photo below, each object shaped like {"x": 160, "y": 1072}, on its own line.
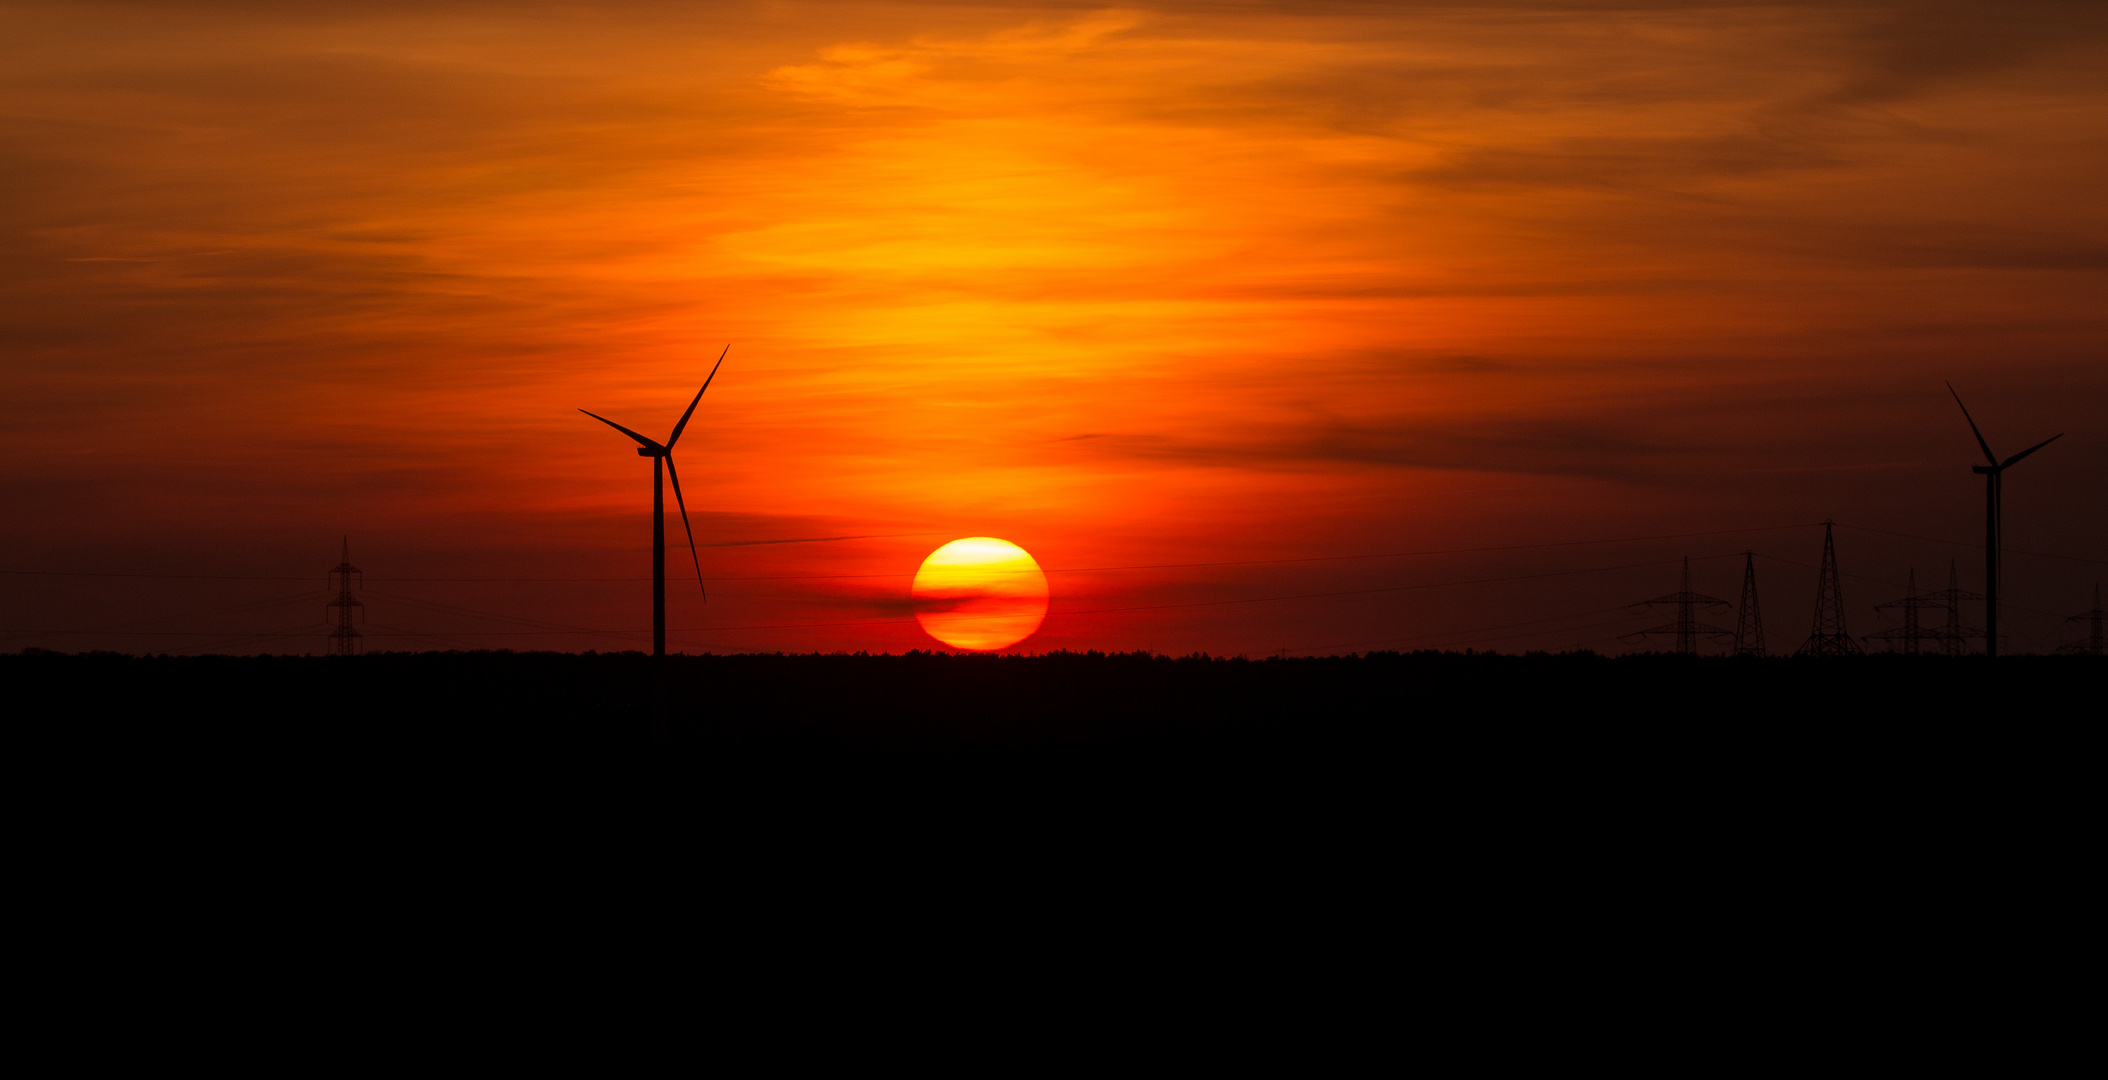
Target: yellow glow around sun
{"x": 980, "y": 593}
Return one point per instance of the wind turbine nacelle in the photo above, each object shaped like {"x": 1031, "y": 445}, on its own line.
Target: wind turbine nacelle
{"x": 1981, "y": 470}
{"x": 650, "y": 451}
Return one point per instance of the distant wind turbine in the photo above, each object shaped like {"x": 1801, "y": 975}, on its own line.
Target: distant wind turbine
{"x": 1994, "y": 493}
{"x": 661, "y": 468}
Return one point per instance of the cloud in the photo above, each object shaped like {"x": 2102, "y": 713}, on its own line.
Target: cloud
{"x": 1551, "y": 446}
{"x": 1584, "y": 161}
{"x": 864, "y": 74}
{"x": 1920, "y": 45}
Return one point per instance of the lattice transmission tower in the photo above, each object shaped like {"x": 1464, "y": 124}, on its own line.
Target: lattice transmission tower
{"x": 344, "y": 640}
{"x": 1912, "y": 633}
{"x": 2092, "y": 646}
{"x": 1829, "y": 636}
{"x": 1686, "y": 627}
{"x": 1749, "y": 623}
{"x": 1953, "y": 637}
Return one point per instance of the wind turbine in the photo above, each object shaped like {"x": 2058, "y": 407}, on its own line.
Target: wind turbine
{"x": 661, "y": 455}
{"x": 1994, "y": 484}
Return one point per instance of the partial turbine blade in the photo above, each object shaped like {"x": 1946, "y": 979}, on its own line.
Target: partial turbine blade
{"x": 1988, "y": 455}
{"x": 678, "y": 428}
{"x": 678, "y": 501}
{"x": 2031, "y": 449}
{"x": 624, "y": 430}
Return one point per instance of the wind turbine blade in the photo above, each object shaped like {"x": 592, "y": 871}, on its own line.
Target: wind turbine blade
{"x": 678, "y": 428}
{"x": 1988, "y": 455}
{"x": 678, "y": 501}
{"x": 2031, "y": 449}
{"x": 624, "y": 430}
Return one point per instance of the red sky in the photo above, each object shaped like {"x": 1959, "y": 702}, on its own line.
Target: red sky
{"x": 1194, "y": 283}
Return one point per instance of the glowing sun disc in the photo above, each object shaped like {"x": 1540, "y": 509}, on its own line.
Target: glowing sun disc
{"x": 980, "y": 593}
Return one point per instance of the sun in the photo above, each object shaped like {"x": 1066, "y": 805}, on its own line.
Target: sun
{"x": 980, "y": 593}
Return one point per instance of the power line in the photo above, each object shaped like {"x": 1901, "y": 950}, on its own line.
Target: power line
{"x": 1061, "y": 569}
{"x": 1885, "y": 581}
{"x": 398, "y": 632}
{"x": 1084, "y": 611}
{"x": 1106, "y": 611}
{"x": 1979, "y": 547}
{"x": 1446, "y": 637}
{"x": 301, "y": 631}
{"x": 1436, "y": 551}
{"x": 534, "y": 627}
{"x": 1366, "y": 592}
{"x": 1049, "y": 570}
{"x": 451, "y": 609}
{"x": 119, "y": 627}
{"x": 1451, "y": 642}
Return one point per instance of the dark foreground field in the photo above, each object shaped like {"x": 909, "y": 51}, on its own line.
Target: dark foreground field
{"x": 1861, "y": 757}
{"x": 1436, "y": 716}
{"x": 1917, "y": 818}
{"x": 925, "y": 703}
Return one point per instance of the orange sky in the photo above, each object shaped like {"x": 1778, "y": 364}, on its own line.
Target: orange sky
{"x": 1190, "y": 283}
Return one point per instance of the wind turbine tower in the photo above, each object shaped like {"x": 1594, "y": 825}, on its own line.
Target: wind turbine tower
{"x": 661, "y": 455}
{"x": 1994, "y": 493}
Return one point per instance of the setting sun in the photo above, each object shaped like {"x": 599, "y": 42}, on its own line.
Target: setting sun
{"x": 980, "y": 593}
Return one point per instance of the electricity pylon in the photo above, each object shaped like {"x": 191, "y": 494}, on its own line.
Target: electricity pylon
{"x": 2092, "y": 646}
{"x": 344, "y": 640}
{"x": 1686, "y": 627}
{"x": 1749, "y": 623}
{"x": 1911, "y": 633}
{"x": 1829, "y": 637}
{"x": 1954, "y": 637}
